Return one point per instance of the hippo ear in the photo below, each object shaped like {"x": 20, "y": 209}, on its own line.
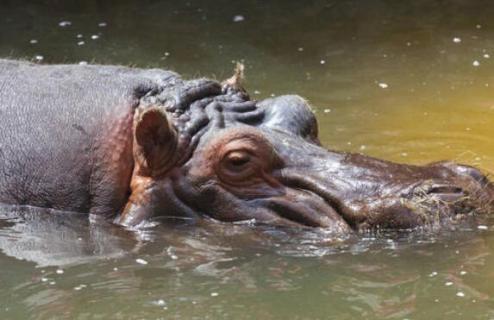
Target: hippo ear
{"x": 155, "y": 140}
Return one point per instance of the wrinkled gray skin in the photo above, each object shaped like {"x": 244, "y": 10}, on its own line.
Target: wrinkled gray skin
{"x": 133, "y": 145}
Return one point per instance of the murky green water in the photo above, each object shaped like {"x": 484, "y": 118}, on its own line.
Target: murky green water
{"x": 410, "y": 82}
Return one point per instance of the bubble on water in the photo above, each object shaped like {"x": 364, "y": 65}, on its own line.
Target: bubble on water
{"x": 449, "y": 283}
{"x": 141, "y": 261}
{"x": 475, "y": 63}
{"x": 238, "y": 18}
{"x": 257, "y": 92}
{"x": 460, "y": 294}
{"x": 363, "y": 147}
{"x": 80, "y": 43}
{"x": 383, "y": 85}
{"x": 64, "y": 23}
{"x": 159, "y": 302}
{"x": 39, "y": 57}
{"x": 33, "y": 41}
{"x": 115, "y": 269}
{"x": 167, "y": 53}
{"x": 79, "y": 36}
{"x": 52, "y": 283}
{"x": 83, "y": 63}
{"x": 95, "y": 36}
{"x": 456, "y": 40}
{"x": 44, "y": 279}
{"x": 486, "y": 56}
{"x": 322, "y": 61}
{"x": 59, "y": 271}
{"x": 478, "y": 26}
{"x": 102, "y": 24}
{"x": 327, "y": 110}
{"x": 214, "y": 294}
{"x": 80, "y": 287}
{"x": 404, "y": 154}
{"x": 300, "y": 49}
{"x": 482, "y": 227}
{"x": 433, "y": 274}
{"x": 463, "y": 272}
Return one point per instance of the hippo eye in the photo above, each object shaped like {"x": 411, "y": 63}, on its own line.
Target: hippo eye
{"x": 238, "y": 166}
{"x": 238, "y": 159}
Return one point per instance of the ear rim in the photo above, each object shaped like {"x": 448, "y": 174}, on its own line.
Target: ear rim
{"x": 155, "y": 140}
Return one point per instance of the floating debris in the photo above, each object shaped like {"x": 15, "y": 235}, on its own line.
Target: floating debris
{"x": 456, "y": 40}
{"x": 141, "y": 261}
{"x": 238, "y": 18}
{"x": 64, "y": 24}
{"x": 383, "y": 85}
{"x": 33, "y": 41}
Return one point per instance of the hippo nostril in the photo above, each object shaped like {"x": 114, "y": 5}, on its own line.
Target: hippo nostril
{"x": 447, "y": 193}
{"x": 444, "y": 189}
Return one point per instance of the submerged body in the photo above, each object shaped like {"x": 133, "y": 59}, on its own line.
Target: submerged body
{"x": 134, "y": 144}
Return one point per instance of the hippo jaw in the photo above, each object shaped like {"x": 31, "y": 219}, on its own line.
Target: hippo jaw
{"x": 263, "y": 162}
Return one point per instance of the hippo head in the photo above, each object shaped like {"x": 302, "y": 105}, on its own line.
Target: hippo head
{"x": 229, "y": 158}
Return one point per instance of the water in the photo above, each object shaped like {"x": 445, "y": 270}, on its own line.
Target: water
{"x": 409, "y": 82}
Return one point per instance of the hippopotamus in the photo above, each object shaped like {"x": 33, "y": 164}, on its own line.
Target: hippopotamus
{"x": 133, "y": 145}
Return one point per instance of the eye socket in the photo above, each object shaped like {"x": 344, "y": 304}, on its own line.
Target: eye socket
{"x": 239, "y": 166}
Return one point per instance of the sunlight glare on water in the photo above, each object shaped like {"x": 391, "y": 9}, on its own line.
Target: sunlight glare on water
{"x": 405, "y": 81}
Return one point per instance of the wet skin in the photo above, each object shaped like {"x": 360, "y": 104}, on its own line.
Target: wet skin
{"x": 134, "y": 144}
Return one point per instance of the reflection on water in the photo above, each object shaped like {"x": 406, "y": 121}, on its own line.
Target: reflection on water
{"x": 410, "y": 82}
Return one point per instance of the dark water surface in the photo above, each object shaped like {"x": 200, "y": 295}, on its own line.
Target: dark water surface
{"x": 409, "y": 82}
